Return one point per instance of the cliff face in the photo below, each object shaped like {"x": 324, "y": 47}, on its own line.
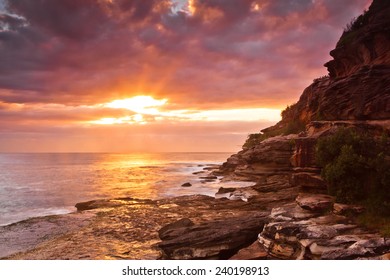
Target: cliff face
{"x": 358, "y": 84}
{"x": 366, "y": 43}
{"x": 355, "y": 93}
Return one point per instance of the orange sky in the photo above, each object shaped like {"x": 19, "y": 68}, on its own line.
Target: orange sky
{"x": 156, "y": 76}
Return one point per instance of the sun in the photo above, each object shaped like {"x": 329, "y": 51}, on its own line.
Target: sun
{"x": 141, "y": 104}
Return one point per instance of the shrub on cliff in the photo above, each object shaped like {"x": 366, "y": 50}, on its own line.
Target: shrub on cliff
{"x": 291, "y": 127}
{"x": 357, "y": 22}
{"x": 253, "y": 139}
{"x": 352, "y": 29}
{"x": 356, "y": 169}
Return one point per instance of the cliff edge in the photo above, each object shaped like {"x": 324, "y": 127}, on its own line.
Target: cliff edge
{"x": 333, "y": 141}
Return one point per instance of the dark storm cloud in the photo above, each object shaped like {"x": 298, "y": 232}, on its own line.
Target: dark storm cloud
{"x": 73, "y": 19}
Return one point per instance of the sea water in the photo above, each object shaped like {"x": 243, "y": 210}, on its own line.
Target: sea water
{"x": 52, "y": 183}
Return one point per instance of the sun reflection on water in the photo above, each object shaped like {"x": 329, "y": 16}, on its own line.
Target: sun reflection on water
{"x": 37, "y": 184}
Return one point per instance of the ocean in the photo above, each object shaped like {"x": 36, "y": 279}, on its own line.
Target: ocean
{"x": 44, "y": 184}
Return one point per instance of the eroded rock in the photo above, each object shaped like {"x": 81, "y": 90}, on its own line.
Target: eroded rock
{"x": 213, "y": 239}
{"x": 253, "y": 252}
{"x": 308, "y": 180}
{"x": 315, "y": 202}
{"x": 347, "y": 210}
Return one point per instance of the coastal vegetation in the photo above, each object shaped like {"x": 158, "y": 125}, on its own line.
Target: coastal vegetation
{"x": 352, "y": 29}
{"x": 322, "y": 78}
{"x": 356, "y": 169}
{"x": 292, "y": 125}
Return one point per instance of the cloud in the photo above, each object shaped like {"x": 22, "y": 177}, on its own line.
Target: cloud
{"x": 78, "y": 51}
{"x": 214, "y": 55}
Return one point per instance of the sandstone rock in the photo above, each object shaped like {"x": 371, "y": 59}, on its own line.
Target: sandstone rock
{"x": 290, "y": 212}
{"x": 244, "y": 194}
{"x": 304, "y": 153}
{"x": 367, "y": 44}
{"x": 253, "y": 252}
{"x": 308, "y": 180}
{"x": 268, "y": 158}
{"x": 213, "y": 239}
{"x": 358, "y": 85}
{"x": 109, "y": 203}
{"x": 209, "y": 177}
{"x": 344, "y": 209}
{"x": 170, "y": 231}
{"x": 315, "y": 202}
{"x": 295, "y": 233}
{"x": 360, "y": 249}
{"x": 223, "y": 190}
{"x": 381, "y": 257}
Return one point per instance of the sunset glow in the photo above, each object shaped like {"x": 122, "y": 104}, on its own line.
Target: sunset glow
{"x": 156, "y": 75}
{"x": 140, "y": 104}
{"x": 191, "y": 6}
{"x": 155, "y": 109}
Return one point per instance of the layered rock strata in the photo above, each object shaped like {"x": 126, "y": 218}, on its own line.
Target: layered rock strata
{"x": 294, "y": 232}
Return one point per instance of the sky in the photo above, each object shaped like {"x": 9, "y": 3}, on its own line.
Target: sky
{"x": 157, "y": 75}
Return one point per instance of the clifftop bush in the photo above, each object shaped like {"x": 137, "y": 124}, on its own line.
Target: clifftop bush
{"x": 356, "y": 168}
{"x": 291, "y": 125}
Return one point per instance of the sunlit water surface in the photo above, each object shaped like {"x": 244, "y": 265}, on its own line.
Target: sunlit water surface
{"x": 44, "y": 184}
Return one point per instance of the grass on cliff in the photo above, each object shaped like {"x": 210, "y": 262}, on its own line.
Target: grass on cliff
{"x": 352, "y": 29}
{"x": 291, "y": 126}
{"x": 356, "y": 169}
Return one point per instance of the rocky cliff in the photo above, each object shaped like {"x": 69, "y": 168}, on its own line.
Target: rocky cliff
{"x": 358, "y": 84}
{"x": 355, "y": 94}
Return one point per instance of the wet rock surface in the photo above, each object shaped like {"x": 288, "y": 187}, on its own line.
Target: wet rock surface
{"x": 190, "y": 227}
{"x": 270, "y": 225}
{"x": 27, "y": 234}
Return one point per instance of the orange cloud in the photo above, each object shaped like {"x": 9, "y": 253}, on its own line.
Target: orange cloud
{"x": 210, "y": 59}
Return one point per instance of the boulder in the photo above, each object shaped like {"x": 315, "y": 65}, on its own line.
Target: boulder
{"x": 347, "y": 210}
{"x": 253, "y": 252}
{"x": 315, "y": 202}
{"x": 213, "y": 239}
{"x": 186, "y": 184}
{"x": 170, "y": 231}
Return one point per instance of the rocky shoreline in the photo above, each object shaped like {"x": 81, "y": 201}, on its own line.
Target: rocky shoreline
{"x": 272, "y": 219}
